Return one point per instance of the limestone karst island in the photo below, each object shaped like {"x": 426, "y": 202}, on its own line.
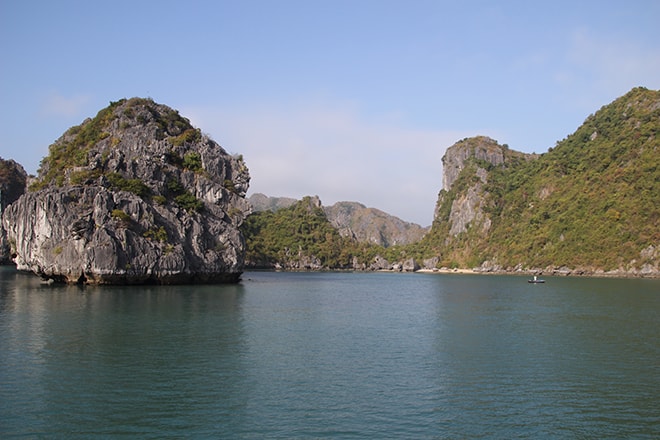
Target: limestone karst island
{"x": 138, "y": 195}
{"x": 134, "y": 195}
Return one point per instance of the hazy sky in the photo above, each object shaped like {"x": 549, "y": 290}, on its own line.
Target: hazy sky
{"x": 348, "y": 100}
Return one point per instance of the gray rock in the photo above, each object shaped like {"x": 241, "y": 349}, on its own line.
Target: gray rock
{"x": 467, "y": 209}
{"x": 479, "y": 147}
{"x": 431, "y": 263}
{"x": 371, "y": 225}
{"x": 380, "y": 263}
{"x": 142, "y": 197}
{"x": 410, "y": 265}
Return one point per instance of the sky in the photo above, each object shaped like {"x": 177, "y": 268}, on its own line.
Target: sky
{"x": 347, "y": 100}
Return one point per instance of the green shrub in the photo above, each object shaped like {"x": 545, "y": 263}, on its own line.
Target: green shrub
{"x": 173, "y": 158}
{"x": 83, "y": 176}
{"x": 120, "y": 215}
{"x": 189, "y": 202}
{"x": 229, "y": 185}
{"x": 174, "y": 186}
{"x": 193, "y": 161}
{"x": 190, "y": 161}
{"x": 157, "y": 234}
{"x": 135, "y": 186}
{"x": 160, "y": 200}
{"x": 183, "y": 197}
{"x": 189, "y": 135}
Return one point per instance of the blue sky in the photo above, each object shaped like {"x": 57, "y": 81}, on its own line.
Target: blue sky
{"x": 348, "y": 100}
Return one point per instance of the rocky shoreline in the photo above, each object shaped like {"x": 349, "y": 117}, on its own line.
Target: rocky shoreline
{"x": 555, "y": 272}
{"x": 561, "y": 272}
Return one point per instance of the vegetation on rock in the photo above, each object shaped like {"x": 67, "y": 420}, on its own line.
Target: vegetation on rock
{"x": 69, "y": 157}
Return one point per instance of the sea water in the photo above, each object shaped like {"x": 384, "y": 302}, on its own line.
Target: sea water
{"x": 332, "y": 355}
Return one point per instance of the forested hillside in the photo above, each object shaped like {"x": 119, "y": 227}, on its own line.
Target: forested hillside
{"x": 302, "y": 237}
{"x": 592, "y": 203}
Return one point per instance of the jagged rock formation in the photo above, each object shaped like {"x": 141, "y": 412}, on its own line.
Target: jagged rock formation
{"x": 134, "y": 195}
{"x": 13, "y": 180}
{"x": 477, "y": 154}
{"x": 480, "y": 148}
{"x": 371, "y": 225}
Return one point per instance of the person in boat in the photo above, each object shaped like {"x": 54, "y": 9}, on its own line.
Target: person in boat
{"x": 534, "y": 277}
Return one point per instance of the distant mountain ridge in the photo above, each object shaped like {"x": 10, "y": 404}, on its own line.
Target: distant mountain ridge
{"x": 353, "y": 220}
{"x": 261, "y": 202}
{"x": 372, "y": 225}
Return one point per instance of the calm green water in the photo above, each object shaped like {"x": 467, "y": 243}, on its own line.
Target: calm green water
{"x": 332, "y": 355}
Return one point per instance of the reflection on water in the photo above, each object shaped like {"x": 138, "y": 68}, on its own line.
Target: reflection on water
{"x": 332, "y": 355}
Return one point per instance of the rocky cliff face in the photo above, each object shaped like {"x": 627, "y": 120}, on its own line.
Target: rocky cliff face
{"x": 13, "y": 180}
{"x": 134, "y": 195}
{"x": 468, "y": 203}
{"x": 479, "y": 148}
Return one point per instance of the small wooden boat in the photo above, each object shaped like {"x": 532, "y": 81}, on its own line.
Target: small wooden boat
{"x": 536, "y": 280}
